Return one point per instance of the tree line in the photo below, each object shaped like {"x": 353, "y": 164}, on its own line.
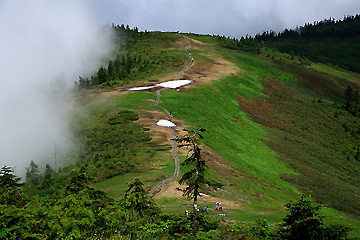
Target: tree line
{"x": 349, "y": 27}
{"x": 135, "y": 57}
{"x": 247, "y": 43}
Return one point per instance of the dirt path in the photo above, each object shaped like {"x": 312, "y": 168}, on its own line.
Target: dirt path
{"x": 174, "y": 145}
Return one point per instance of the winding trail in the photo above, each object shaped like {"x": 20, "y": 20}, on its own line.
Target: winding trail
{"x": 174, "y": 146}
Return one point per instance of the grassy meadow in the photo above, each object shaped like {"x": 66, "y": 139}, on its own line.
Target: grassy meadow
{"x": 276, "y": 128}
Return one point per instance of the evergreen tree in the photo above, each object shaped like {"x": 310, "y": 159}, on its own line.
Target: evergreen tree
{"x": 14, "y": 222}
{"x": 195, "y": 177}
{"x": 78, "y": 182}
{"x": 102, "y": 75}
{"x": 111, "y": 70}
{"x": 304, "y": 222}
{"x": 137, "y": 200}
{"x": 356, "y": 103}
{"x": 349, "y": 98}
{"x": 32, "y": 172}
{"x": 8, "y": 179}
{"x": 9, "y": 188}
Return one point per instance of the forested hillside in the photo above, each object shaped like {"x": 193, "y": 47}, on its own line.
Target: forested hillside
{"x": 281, "y": 146}
{"x": 328, "y": 41}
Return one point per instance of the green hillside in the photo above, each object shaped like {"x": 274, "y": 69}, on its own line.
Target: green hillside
{"x": 276, "y": 125}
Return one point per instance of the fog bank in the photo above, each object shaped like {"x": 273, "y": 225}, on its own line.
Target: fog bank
{"x": 233, "y": 18}
{"x": 44, "y": 46}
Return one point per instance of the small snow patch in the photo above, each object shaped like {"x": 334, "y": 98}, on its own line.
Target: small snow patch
{"x": 203, "y": 194}
{"x": 139, "y": 88}
{"x": 165, "y": 123}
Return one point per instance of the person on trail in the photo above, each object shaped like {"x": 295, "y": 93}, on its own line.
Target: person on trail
{"x": 220, "y": 207}
{"x": 206, "y": 210}
{"x": 171, "y": 117}
{"x": 192, "y": 59}
{"x": 217, "y": 206}
{"x": 186, "y": 213}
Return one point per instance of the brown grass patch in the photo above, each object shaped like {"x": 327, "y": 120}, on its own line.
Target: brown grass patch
{"x": 204, "y": 74}
{"x": 196, "y": 44}
{"x": 259, "y": 108}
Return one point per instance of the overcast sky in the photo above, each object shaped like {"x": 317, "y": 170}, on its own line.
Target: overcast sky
{"x": 234, "y": 18}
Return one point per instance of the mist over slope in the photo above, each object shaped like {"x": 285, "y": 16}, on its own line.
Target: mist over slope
{"x": 44, "y": 47}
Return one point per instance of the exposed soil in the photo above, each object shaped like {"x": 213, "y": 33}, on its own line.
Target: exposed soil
{"x": 170, "y": 190}
{"x": 204, "y": 74}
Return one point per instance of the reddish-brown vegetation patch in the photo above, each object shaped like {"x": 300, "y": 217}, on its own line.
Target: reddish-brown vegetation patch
{"x": 304, "y": 132}
{"x": 259, "y": 108}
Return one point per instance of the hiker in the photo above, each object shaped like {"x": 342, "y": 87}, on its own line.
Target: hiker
{"x": 206, "y": 210}
{"x": 220, "y": 207}
{"x": 171, "y": 117}
{"x": 192, "y": 59}
{"x": 217, "y": 205}
{"x": 186, "y": 213}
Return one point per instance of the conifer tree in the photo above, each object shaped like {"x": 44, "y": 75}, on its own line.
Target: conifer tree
{"x": 303, "y": 220}
{"x": 349, "y": 98}
{"x": 137, "y": 200}
{"x": 32, "y": 172}
{"x": 8, "y": 179}
{"x": 195, "y": 177}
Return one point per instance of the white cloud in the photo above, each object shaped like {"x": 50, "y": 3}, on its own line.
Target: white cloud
{"x": 40, "y": 41}
{"x": 229, "y": 17}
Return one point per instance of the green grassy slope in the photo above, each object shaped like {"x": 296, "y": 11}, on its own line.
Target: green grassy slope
{"x": 269, "y": 127}
{"x": 230, "y": 132}
{"x": 306, "y": 131}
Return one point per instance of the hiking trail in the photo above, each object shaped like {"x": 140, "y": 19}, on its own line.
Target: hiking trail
{"x": 154, "y": 190}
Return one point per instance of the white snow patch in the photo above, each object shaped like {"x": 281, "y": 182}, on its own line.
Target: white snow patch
{"x": 140, "y": 88}
{"x": 169, "y": 84}
{"x": 174, "y": 83}
{"x": 203, "y": 194}
{"x": 165, "y": 123}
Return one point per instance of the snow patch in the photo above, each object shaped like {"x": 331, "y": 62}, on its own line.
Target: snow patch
{"x": 165, "y": 123}
{"x": 169, "y": 84}
{"x": 203, "y": 194}
{"x": 174, "y": 83}
{"x": 139, "y": 88}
